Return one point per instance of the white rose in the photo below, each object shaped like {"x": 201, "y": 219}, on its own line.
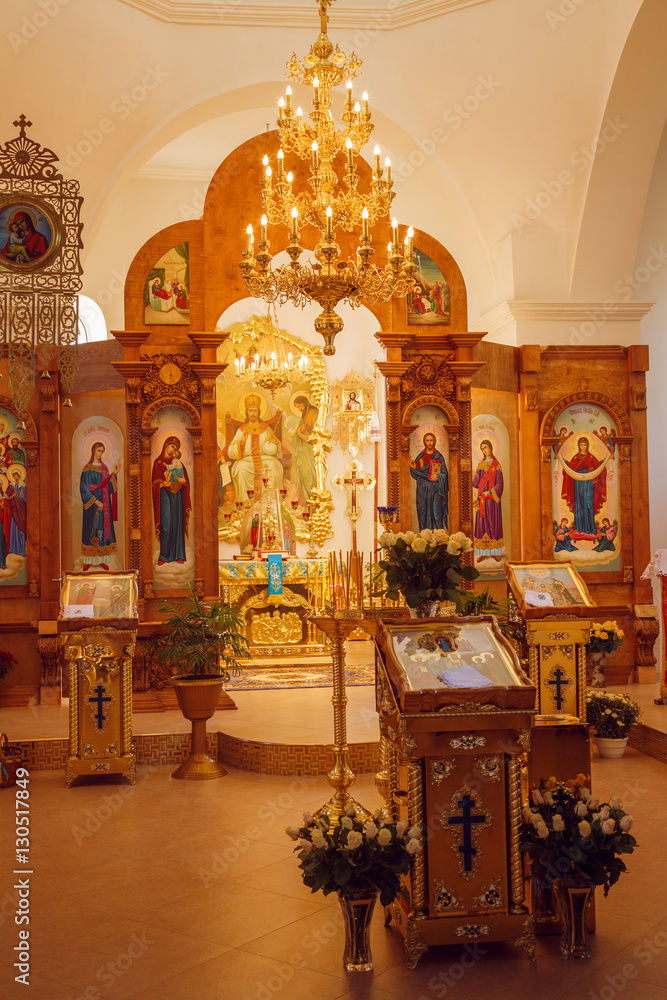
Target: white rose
{"x": 609, "y": 826}
{"x": 401, "y": 827}
{"x": 558, "y": 823}
{"x": 346, "y": 822}
{"x": 453, "y": 547}
{"x": 526, "y": 813}
{"x": 305, "y": 845}
{"x": 440, "y": 536}
{"x": 308, "y": 818}
{"x": 626, "y": 823}
{"x": 386, "y": 539}
{"x": 409, "y": 537}
{"x": 615, "y": 802}
{"x": 371, "y": 830}
{"x": 535, "y": 819}
{"x": 354, "y": 840}
{"x": 377, "y": 815}
{"x": 581, "y": 809}
{"x": 548, "y": 798}
{"x": 414, "y": 832}
{"x": 399, "y": 534}
{"x": 585, "y": 794}
{"x": 604, "y": 812}
{"x": 350, "y": 809}
{"x": 419, "y": 545}
{"x": 585, "y": 828}
{"x": 318, "y": 838}
{"x": 537, "y": 797}
{"x": 412, "y": 846}
{"x": 384, "y": 837}
{"x": 426, "y": 534}
{"x": 542, "y": 830}
{"x": 593, "y": 802}
{"x": 292, "y": 832}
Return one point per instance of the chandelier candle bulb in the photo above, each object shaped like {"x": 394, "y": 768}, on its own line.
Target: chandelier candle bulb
{"x": 364, "y": 225}
{"x": 350, "y": 155}
{"x": 288, "y": 98}
{"x": 329, "y": 222}
{"x": 263, "y": 229}
{"x": 387, "y": 171}
{"x": 376, "y": 154}
{"x": 316, "y": 88}
{"x": 299, "y": 117}
{"x": 294, "y": 234}
{"x": 280, "y": 164}
{"x": 357, "y": 111}
{"x": 315, "y": 156}
{"x": 348, "y": 99}
{"x": 364, "y": 98}
{"x": 249, "y": 240}
{"x": 281, "y": 110}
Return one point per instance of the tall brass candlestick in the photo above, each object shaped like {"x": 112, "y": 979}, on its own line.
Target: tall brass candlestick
{"x": 340, "y": 777}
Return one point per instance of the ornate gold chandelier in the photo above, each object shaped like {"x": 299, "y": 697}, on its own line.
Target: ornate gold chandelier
{"x": 333, "y": 201}
{"x": 268, "y": 364}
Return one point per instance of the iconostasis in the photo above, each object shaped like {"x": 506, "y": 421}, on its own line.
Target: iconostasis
{"x": 160, "y": 462}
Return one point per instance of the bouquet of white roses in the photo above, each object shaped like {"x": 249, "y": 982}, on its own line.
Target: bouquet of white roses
{"x": 425, "y": 566}
{"x": 355, "y": 856}
{"x": 568, "y": 832}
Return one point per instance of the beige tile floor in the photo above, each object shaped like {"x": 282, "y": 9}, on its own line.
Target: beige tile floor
{"x": 175, "y": 890}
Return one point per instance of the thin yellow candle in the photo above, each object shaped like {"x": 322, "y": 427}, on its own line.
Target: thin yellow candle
{"x": 329, "y": 222}
{"x": 350, "y": 155}
{"x": 376, "y": 154}
{"x": 281, "y": 156}
{"x": 364, "y": 98}
{"x": 364, "y": 224}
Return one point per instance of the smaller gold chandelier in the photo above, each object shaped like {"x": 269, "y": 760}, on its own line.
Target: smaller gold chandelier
{"x": 334, "y": 201}
{"x": 268, "y": 363}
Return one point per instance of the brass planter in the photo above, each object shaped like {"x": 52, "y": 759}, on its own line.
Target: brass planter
{"x": 197, "y": 700}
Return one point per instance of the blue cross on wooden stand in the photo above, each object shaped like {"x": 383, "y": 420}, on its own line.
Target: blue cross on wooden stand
{"x": 466, "y": 804}
{"x": 560, "y": 681}
{"x": 100, "y": 697}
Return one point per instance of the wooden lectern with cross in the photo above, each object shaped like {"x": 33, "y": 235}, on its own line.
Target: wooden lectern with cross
{"x": 353, "y": 481}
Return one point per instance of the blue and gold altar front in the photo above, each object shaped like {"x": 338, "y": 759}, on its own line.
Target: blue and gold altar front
{"x": 274, "y": 612}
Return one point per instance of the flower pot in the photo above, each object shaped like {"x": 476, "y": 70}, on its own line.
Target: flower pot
{"x": 425, "y": 609}
{"x": 612, "y": 748}
{"x": 574, "y": 897}
{"x": 357, "y": 914}
{"x": 197, "y": 700}
{"x": 595, "y": 670}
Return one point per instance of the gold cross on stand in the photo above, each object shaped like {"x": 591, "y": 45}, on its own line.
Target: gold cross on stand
{"x": 351, "y": 482}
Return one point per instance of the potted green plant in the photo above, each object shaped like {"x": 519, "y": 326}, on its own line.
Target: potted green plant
{"x": 605, "y": 640}
{"x": 359, "y": 859}
{"x": 203, "y": 645}
{"x": 612, "y": 716}
{"x": 574, "y": 842}
{"x": 426, "y": 568}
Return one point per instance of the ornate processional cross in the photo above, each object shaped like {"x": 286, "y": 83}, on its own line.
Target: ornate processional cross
{"x": 352, "y": 482}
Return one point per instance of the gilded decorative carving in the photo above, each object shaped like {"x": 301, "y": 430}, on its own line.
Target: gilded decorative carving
{"x": 638, "y": 397}
{"x": 465, "y": 819}
{"x": 132, "y": 389}
{"x": 628, "y": 574}
{"x": 530, "y": 397}
{"x": 33, "y": 588}
{"x": 444, "y": 900}
{"x": 414, "y": 945}
{"x": 185, "y": 387}
{"x": 196, "y": 444}
{"x": 270, "y": 628}
{"x": 545, "y": 452}
{"x": 526, "y": 941}
{"x": 31, "y": 454}
{"x": 146, "y": 444}
{"x": 47, "y": 395}
{"x": 513, "y": 778}
{"x": 491, "y": 897}
{"x": 418, "y": 887}
{"x": 208, "y": 391}
{"x": 408, "y": 744}
{"x": 148, "y": 590}
{"x": 607, "y": 402}
{"x": 557, "y": 637}
{"x": 524, "y": 740}
{"x": 467, "y": 742}
{"x": 472, "y": 930}
{"x": 429, "y": 373}
{"x": 454, "y": 441}
{"x": 49, "y": 654}
{"x": 489, "y": 767}
{"x": 441, "y": 769}
{"x": 626, "y": 452}
{"x": 199, "y": 587}
{"x": 352, "y": 404}
{"x": 467, "y": 708}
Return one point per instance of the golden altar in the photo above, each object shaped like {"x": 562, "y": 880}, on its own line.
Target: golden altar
{"x": 276, "y": 624}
